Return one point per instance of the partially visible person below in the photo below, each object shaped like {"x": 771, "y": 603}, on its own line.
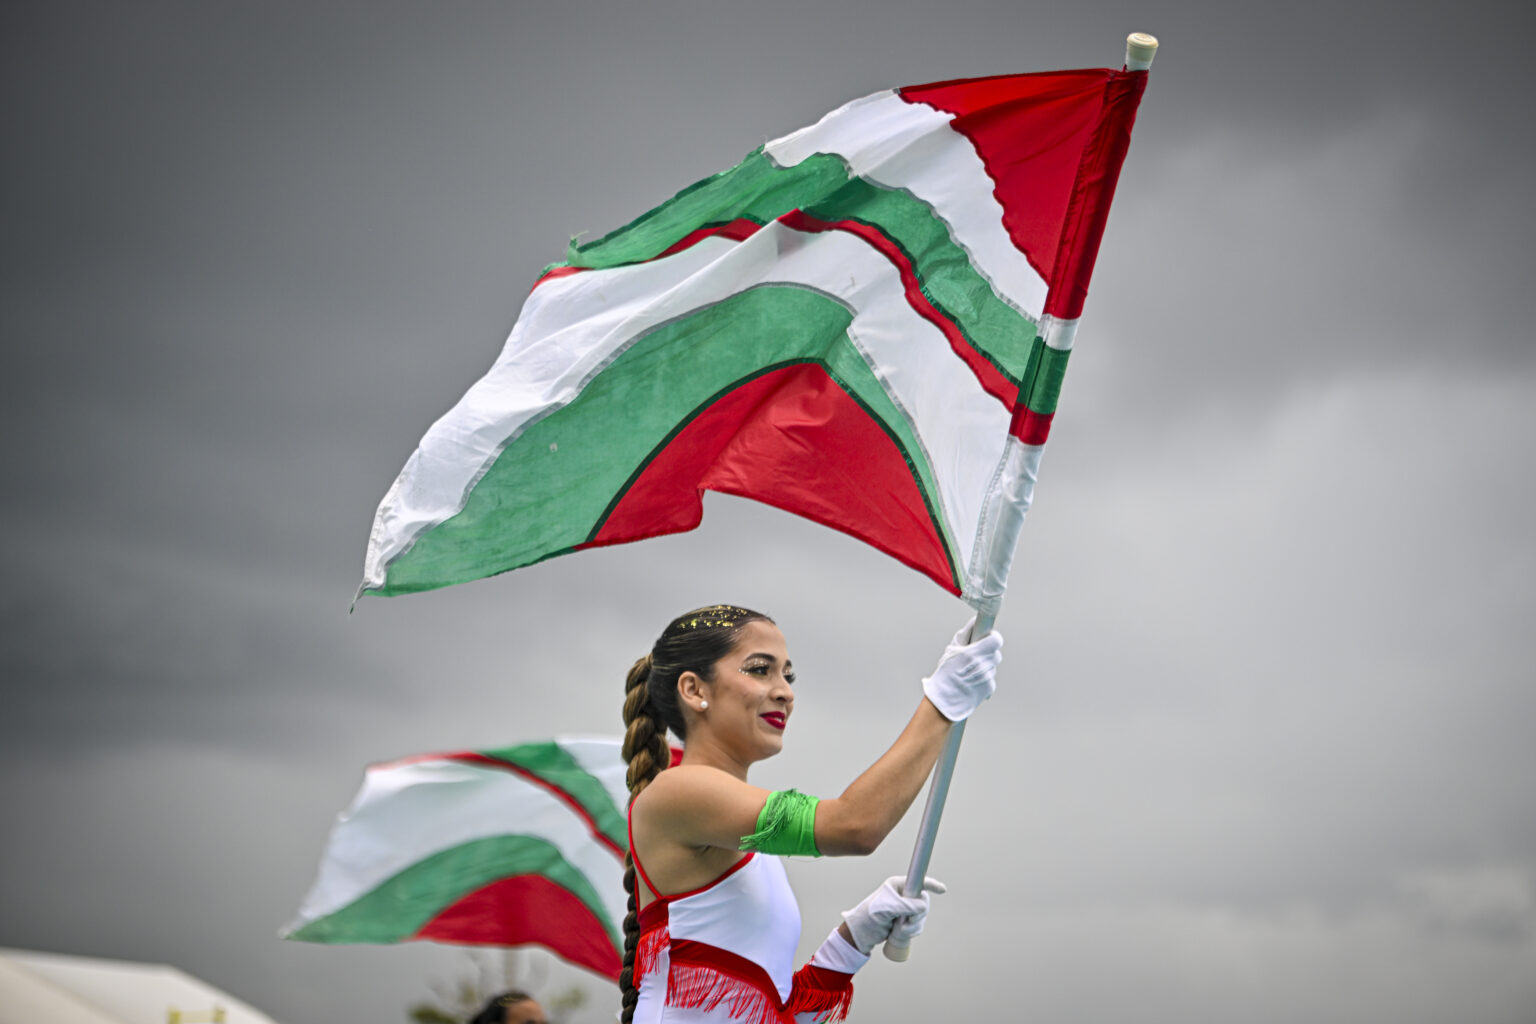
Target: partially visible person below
{"x": 511, "y": 1008}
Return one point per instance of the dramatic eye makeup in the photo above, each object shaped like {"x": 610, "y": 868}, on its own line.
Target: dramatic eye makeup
{"x": 762, "y": 667}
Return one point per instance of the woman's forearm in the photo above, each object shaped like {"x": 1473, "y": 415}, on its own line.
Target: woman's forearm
{"x": 856, "y": 822}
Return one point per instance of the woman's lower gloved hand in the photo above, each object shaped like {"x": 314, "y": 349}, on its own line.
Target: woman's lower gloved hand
{"x": 886, "y": 912}
{"x": 967, "y": 674}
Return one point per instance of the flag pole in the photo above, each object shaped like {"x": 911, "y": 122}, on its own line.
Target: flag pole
{"x": 1140, "y": 49}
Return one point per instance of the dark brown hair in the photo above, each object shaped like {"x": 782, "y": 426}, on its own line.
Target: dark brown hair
{"x": 692, "y": 642}
{"x": 495, "y": 1011}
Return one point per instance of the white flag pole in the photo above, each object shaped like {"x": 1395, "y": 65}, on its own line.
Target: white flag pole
{"x": 1140, "y": 48}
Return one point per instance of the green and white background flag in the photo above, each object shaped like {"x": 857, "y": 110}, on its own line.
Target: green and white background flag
{"x": 512, "y": 846}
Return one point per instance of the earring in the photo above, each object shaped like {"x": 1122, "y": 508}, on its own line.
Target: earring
{"x": 703, "y": 705}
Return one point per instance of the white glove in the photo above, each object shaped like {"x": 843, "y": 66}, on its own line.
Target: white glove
{"x": 886, "y": 912}
{"x": 967, "y": 674}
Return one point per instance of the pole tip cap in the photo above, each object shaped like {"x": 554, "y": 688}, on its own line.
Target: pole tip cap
{"x": 1140, "y": 48}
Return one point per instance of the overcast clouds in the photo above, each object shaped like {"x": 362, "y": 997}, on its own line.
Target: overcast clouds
{"x": 1262, "y": 746}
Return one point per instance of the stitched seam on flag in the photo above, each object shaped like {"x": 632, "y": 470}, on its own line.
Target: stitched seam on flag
{"x": 933, "y": 514}
{"x": 972, "y": 262}
{"x": 921, "y": 302}
{"x": 976, "y": 266}
{"x": 575, "y": 804}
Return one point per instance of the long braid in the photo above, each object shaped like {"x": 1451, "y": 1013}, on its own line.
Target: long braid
{"x": 693, "y": 642}
{"x": 645, "y": 750}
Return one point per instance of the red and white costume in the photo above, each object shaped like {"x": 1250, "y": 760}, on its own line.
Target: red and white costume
{"x": 725, "y": 953}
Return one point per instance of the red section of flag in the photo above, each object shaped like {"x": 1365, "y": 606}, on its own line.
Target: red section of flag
{"x": 794, "y": 439}
{"x": 1092, "y": 194}
{"x": 1029, "y": 131}
{"x": 527, "y": 909}
{"x": 1053, "y": 143}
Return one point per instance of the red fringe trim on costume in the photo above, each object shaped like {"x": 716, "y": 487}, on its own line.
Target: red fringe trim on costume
{"x": 648, "y": 951}
{"x": 702, "y": 977}
{"x": 697, "y": 987}
{"x": 821, "y": 991}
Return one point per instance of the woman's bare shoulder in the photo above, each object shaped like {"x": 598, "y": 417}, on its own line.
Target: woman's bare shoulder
{"x": 686, "y": 782}
{"x": 699, "y": 806}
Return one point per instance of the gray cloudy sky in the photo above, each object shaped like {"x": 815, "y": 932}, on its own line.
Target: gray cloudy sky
{"x": 1262, "y": 748}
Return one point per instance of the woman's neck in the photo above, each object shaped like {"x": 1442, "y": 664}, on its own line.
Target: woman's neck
{"x": 703, "y": 750}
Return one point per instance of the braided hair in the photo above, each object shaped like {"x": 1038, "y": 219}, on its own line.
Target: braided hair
{"x": 692, "y": 642}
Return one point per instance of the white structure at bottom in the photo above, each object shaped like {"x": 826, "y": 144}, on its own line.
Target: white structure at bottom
{"x": 59, "y": 989}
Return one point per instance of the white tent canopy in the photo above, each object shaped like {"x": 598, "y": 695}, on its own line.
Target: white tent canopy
{"x": 83, "y": 990}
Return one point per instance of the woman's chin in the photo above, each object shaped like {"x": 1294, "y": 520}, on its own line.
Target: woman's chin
{"x": 768, "y": 745}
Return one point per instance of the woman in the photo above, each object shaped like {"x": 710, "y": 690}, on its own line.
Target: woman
{"x": 713, "y": 925}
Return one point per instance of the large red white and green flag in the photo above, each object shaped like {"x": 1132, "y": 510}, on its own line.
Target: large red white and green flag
{"x": 521, "y": 845}
{"x": 865, "y": 322}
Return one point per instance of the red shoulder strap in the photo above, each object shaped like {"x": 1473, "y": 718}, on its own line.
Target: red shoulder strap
{"x": 634, "y": 856}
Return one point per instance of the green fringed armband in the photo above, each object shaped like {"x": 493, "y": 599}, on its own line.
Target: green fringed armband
{"x": 787, "y": 825}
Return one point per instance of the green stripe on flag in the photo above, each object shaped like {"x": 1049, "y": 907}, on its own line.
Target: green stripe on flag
{"x": 1047, "y": 367}
{"x": 757, "y": 189}
{"x": 401, "y": 906}
{"x": 550, "y": 762}
{"x": 557, "y": 479}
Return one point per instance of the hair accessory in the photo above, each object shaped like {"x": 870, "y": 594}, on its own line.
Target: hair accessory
{"x": 716, "y": 615}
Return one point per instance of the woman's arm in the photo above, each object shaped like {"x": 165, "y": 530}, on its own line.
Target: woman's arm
{"x": 857, "y": 821}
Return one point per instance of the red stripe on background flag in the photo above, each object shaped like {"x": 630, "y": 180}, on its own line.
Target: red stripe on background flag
{"x": 473, "y": 757}
{"x": 528, "y": 909}
{"x": 792, "y": 438}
